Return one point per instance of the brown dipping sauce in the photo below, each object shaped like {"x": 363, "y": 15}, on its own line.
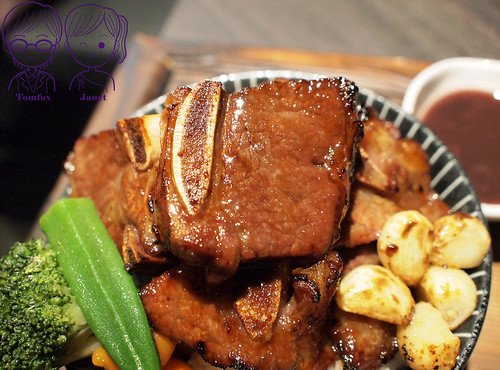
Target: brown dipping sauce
{"x": 468, "y": 123}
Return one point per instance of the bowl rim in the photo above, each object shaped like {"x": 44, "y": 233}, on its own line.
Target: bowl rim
{"x": 442, "y": 68}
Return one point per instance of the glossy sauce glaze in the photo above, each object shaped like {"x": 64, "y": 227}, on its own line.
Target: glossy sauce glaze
{"x": 280, "y": 180}
{"x": 468, "y": 123}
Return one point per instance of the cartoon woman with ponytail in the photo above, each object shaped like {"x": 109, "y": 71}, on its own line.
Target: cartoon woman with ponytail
{"x": 95, "y": 35}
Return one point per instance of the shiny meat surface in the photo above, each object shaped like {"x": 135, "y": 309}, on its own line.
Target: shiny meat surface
{"x": 361, "y": 342}
{"x": 182, "y": 307}
{"x": 393, "y": 175}
{"x": 261, "y": 174}
{"x": 99, "y": 169}
{"x": 367, "y": 216}
{"x": 396, "y": 167}
{"x": 141, "y": 240}
{"x": 280, "y": 179}
{"x": 361, "y": 255}
{"x": 95, "y": 169}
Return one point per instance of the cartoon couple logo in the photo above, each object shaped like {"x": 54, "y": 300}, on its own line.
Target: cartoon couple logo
{"x": 32, "y": 33}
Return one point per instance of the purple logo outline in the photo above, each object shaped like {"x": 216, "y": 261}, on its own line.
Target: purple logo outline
{"x": 31, "y": 38}
{"x": 89, "y": 24}
{"x": 32, "y": 33}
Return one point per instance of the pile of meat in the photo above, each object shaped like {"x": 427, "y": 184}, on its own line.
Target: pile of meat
{"x": 245, "y": 208}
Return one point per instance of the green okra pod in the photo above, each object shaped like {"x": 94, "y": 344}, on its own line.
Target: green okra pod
{"x": 102, "y": 287}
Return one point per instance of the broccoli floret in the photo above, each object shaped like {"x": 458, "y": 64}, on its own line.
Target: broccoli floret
{"x": 38, "y": 314}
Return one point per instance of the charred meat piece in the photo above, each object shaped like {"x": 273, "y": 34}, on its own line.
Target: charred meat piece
{"x": 394, "y": 166}
{"x": 208, "y": 318}
{"x": 393, "y": 175}
{"x": 361, "y": 255}
{"x": 141, "y": 243}
{"x": 100, "y": 169}
{"x": 361, "y": 342}
{"x": 95, "y": 169}
{"x": 258, "y": 303}
{"x": 263, "y": 172}
{"x": 367, "y": 216}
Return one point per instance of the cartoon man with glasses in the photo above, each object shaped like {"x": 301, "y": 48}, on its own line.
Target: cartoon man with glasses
{"x": 31, "y": 33}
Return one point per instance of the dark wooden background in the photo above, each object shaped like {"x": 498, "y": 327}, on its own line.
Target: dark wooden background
{"x": 422, "y": 29}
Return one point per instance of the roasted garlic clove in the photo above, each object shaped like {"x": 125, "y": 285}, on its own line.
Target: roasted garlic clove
{"x": 404, "y": 245}
{"x": 426, "y": 342}
{"x": 374, "y": 291}
{"x": 193, "y": 143}
{"x": 451, "y": 291}
{"x": 141, "y": 139}
{"x": 460, "y": 241}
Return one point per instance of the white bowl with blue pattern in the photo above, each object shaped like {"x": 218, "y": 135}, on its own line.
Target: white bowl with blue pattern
{"x": 448, "y": 178}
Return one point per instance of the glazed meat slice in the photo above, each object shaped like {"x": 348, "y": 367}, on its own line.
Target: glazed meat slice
{"x": 264, "y": 172}
{"x": 367, "y": 216}
{"x": 186, "y": 310}
{"x": 95, "y": 169}
{"x": 361, "y": 255}
{"x": 396, "y": 167}
{"x": 393, "y": 175}
{"x": 100, "y": 169}
{"x": 141, "y": 243}
{"x": 361, "y": 342}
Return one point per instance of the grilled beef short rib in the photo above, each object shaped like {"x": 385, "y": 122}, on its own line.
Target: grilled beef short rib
{"x": 226, "y": 178}
{"x": 259, "y": 176}
{"x": 209, "y": 318}
{"x": 99, "y": 169}
{"x": 263, "y": 172}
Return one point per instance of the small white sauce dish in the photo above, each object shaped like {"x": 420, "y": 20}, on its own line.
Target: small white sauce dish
{"x": 451, "y": 75}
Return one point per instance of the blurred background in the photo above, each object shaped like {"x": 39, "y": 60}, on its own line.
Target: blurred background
{"x": 36, "y": 136}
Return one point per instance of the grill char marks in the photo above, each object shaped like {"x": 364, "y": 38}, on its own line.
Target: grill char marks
{"x": 393, "y": 175}
{"x": 193, "y": 144}
{"x": 185, "y": 309}
{"x": 99, "y": 169}
{"x": 279, "y": 179}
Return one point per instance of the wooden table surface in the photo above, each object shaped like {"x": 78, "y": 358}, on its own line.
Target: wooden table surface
{"x": 423, "y": 29}
{"x": 155, "y": 67}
